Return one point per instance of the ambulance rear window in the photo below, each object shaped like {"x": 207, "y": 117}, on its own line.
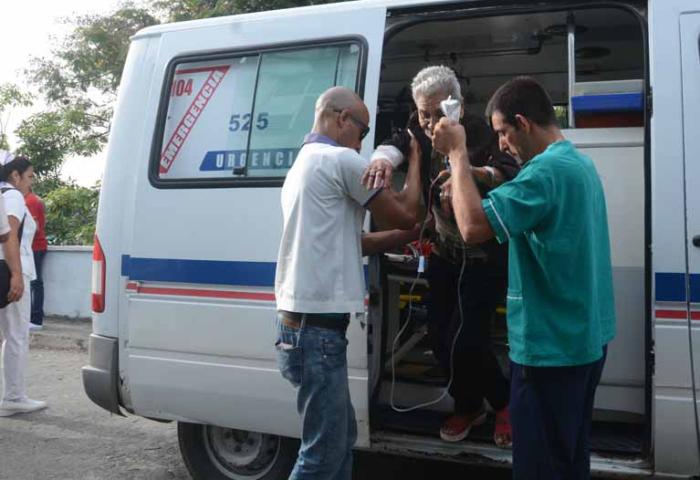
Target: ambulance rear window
{"x": 245, "y": 117}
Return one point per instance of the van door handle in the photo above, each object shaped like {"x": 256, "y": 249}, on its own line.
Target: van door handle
{"x": 696, "y": 240}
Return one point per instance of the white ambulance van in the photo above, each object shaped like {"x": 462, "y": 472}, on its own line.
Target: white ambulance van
{"x": 210, "y": 116}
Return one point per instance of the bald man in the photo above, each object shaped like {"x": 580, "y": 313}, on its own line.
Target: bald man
{"x": 319, "y": 283}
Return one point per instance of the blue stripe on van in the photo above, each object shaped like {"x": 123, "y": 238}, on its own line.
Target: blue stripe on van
{"x": 215, "y": 272}
{"x": 670, "y": 287}
{"x": 614, "y": 102}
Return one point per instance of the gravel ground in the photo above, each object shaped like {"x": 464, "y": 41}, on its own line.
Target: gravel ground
{"x": 75, "y": 439}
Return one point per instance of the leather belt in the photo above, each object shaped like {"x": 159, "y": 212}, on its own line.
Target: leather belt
{"x": 331, "y": 321}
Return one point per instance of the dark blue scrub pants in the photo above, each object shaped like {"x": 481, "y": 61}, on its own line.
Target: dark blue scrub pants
{"x": 550, "y": 411}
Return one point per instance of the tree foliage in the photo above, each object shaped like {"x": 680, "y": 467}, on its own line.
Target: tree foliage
{"x": 79, "y": 82}
{"x": 11, "y": 96}
{"x": 91, "y": 56}
{"x": 179, "y": 10}
{"x": 49, "y": 137}
{"x": 70, "y": 215}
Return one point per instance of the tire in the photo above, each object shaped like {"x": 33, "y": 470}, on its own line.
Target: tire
{"x": 217, "y": 453}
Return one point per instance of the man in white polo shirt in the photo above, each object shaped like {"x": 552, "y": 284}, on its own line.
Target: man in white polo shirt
{"x": 320, "y": 279}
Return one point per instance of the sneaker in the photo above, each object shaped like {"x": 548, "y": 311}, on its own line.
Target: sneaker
{"x": 27, "y": 405}
{"x": 33, "y": 327}
{"x": 457, "y": 427}
{"x": 503, "y": 432}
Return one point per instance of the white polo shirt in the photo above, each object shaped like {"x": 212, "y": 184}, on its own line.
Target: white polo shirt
{"x": 319, "y": 266}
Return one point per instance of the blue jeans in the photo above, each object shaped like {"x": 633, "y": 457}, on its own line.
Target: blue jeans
{"x": 37, "y": 289}
{"x": 314, "y": 360}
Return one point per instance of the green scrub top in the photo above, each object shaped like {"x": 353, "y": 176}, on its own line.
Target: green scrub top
{"x": 560, "y": 303}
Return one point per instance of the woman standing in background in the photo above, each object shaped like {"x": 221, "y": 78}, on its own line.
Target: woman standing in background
{"x": 39, "y": 246}
{"x": 16, "y": 176}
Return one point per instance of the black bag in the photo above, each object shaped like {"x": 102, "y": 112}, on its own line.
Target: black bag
{"x": 4, "y": 269}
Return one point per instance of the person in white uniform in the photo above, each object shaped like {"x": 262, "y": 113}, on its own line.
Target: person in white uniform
{"x": 16, "y": 179}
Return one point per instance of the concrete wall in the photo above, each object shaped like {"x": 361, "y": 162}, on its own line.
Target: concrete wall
{"x": 67, "y": 278}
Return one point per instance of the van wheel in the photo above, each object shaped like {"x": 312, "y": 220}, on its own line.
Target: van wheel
{"x": 217, "y": 453}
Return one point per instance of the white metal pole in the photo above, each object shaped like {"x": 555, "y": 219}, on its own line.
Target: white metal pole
{"x": 571, "y": 37}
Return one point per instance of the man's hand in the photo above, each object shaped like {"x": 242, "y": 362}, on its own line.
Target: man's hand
{"x": 379, "y": 242}
{"x": 449, "y": 137}
{"x": 16, "y": 288}
{"x": 380, "y": 170}
{"x": 378, "y": 174}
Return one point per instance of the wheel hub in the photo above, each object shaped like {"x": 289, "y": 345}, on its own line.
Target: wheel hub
{"x": 240, "y": 454}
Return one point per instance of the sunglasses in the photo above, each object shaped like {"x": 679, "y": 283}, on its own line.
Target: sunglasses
{"x": 364, "y": 128}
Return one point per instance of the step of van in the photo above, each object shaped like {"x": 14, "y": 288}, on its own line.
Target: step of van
{"x": 489, "y": 455}
{"x": 624, "y": 440}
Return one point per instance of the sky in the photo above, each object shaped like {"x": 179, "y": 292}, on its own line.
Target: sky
{"x": 25, "y": 32}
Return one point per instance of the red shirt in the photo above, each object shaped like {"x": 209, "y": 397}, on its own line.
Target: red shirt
{"x": 36, "y": 208}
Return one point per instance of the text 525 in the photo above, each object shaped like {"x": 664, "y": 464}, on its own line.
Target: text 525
{"x": 242, "y": 122}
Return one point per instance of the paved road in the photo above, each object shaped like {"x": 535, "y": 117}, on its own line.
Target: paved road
{"x": 74, "y": 439}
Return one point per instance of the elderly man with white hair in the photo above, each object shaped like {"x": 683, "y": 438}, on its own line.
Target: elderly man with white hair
{"x": 467, "y": 282}
{"x": 319, "y": 282}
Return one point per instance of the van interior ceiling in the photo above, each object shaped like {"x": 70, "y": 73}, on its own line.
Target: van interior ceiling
{"x": 484, "y": 52}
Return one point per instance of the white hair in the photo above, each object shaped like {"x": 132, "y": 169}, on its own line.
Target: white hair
{"x": 435, "y": 80}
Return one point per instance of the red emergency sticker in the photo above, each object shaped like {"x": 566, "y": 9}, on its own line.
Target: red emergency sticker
{"x": 194, "y": 111}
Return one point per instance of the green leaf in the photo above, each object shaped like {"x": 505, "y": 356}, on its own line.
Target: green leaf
{"x": 71, "y": 213}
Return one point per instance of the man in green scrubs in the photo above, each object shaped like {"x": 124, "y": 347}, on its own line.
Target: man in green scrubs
{"x": 560, "y": 302}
